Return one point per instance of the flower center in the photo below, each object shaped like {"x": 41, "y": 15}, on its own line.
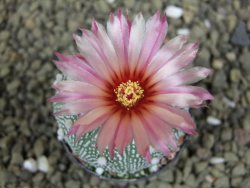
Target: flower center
{"x": 129, "y": 93}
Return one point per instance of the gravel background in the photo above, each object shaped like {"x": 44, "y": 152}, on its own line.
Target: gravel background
{"x": 31, "y": 31}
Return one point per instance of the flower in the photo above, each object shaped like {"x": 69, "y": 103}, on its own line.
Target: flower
{"x": 130, "y": 84}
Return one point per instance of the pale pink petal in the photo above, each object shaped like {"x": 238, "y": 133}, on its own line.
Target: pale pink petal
{"x": 183, "y": 58}
{"x": 78, "y": 69}
{"x": 118, "y": 31}
{"x": 78, "y": 87}
{"x": 140, "y": 136}
{"x": 174, "y": 117}
{"x": 81, "y": 106}
{"x": 108, "y": 131}
{"x": 86, "y": 46}
{"x": 166, "y": 52}
{"x": 156, "y": 29}
{"x": 182, "y": 96}
{"x": 92, "y": 120}
{"x": 184, "y": 77}
{"x": 154, "y": 135}
{"x": 135, "y": 41}
{"x": 106, "y": 46}
{"x": 124, "y": 135}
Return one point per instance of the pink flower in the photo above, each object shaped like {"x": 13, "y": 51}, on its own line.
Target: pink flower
{"x": 130, "y": 84}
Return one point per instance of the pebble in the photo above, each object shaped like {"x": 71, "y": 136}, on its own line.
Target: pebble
{"x": 174, "y": 11}
{"x": 222, "y": 182}
{"x": 239, "y": 170}
{"x": 226, "y": 134}
{"x": 231, "y": 56}
{"x": 110, "y": 1}
{"x": 229, "y": 102}
{"x": 230, "y": 157}
{"x": 213, "y": 121}
{"x": 183, "y": 31}
{"x": 246, "y": 122}
{"x": 218, "y": 64}
{"x": 43, "y": 164}
{"x": 30, "y": 165}
{"x": 208, "y": 141}
{"x": 217, "y": 160}
{"x": 240, "y": 35}
{"x": 235, "y": 75}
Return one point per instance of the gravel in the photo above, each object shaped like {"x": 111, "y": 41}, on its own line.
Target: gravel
{"x": 30, "y": 149}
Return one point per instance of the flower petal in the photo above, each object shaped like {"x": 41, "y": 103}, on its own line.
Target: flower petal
{"x": 140, "y": 136}
{"x": 184, "y": 57}
{"x": 182, "y": 96}
{"x": 108, "y": 131}
{"x": 135, "y": 41}
{"x": 124, "y": 135}
{"x": 184, "y": 77}
{"x": 156, "y": 29}
{"x": 88, "y": 47}
{"x": 118, "y": 31}
{"x": 92, "y": 120}
{"x": 81, "y": 106}
{"x": 174, "y": 117}
{"x": 77, "y": 69}
{"x": 166, "y": 52}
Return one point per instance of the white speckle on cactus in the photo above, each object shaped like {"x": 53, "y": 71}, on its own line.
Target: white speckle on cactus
{"x": 43, "y": 164}
{"x": 59, "y": 77}
{"x": 99, "y": 171}
{"x": 30, "y": 165}
{"x": 151, "y": 150}
{"x": 153, "y": 168}
{"x": 174, "y": 11}
{"x": 60, "y": 134}
{"x": 68, "y": 123}
{"x": 102, "y": 161}
{"x": 155, "y": 161}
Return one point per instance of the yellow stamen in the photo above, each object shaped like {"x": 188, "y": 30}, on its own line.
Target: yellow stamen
{"x": 129, "y": 93}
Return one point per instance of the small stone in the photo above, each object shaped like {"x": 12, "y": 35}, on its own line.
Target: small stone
{"x": 94, "y": 181}
{"x": 228, "y": 102}
{"x": 208, "y": 141}
{"x": 200, "y": 166}
{"x": 239, "y": 170}
{"x": 188, "y": 16}
{"x": 167, "y": 176}
{"x": 222, "y": 182}
{"x": 191, "y": 181}
{"x": 245, "y": 183}
{"x": 16, "y": 158}
{"x": 30, "y": 165}
{"x": 207, "y": 24}
{"x": 102, "y": 161}
{"x": 213, "y": 121}
{"x": 230, "y": 157}
{"x": 174, "y": 11}
{"x": 231, "y": 56}
{"x": 236, "y": 181}
{"x": 129, "y": 3}
{"x": 244, "y": 60}
{"x": 72, "y": 183}
{"x": 30, "y": 24}
{"x": 220, "y": 80}
{"x": 246, "y": 122}
{"x": 4, "y": 35}
{"x": 43, "y": 164}
{"x": 183, "y": 31}
{"x": 227, "y": 134}
{"x": 231, "y": 22}
{"x": 217, "y": 160}
{"x": 110, "y": 1}
{"x": 235, "y": 75}
{"x": 240, "y": 35}
{"x": 99, "y": 170}
{"x": 218, "y": 64}
{"x": 157, "y": 4}
{"x": 39, "y": 147}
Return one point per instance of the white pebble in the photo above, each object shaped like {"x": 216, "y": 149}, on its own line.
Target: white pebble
{"x": 155, "y": 160}
{"x": 153, "y": 168}
{"x": 60, "y": 134}
{"x": 174, "y": 11}
{"x": 229, "y": 102}
{"x": 30, "y": 165}
{"x": 102, "y": 161}
{"x": 217, "y": 160}
{"x": 110, "y": 1}
{"x": 207, "y": 24}
{"x": 99, "y": 171}
{"x": 183, "y": 31}
{"x": 213, "y": 121}
{"x": 43, "y": 164}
